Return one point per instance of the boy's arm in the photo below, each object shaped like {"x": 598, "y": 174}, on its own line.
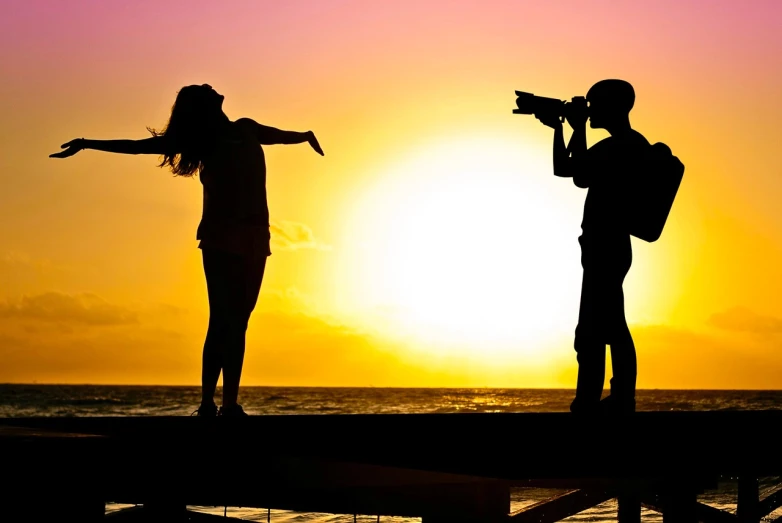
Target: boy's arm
{"x": 578, "y": 156}
{"x": 560, "y": 154}
{"x": 571, "y": 160}
{"x": 577, "y": 147}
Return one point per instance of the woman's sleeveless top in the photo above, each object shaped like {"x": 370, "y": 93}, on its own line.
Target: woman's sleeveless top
{"x": 235, "y": 211}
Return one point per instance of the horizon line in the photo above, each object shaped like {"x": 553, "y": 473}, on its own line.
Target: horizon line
{"x": 60, "y": 384}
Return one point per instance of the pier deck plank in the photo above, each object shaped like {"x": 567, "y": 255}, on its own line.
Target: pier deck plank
{"x": 509, "y": 446}
{"x": 430, "y": 465}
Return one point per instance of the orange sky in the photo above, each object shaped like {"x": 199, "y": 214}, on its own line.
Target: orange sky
{"x": 380, "y": 274}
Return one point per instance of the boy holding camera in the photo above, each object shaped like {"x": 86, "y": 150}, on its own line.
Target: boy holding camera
{"x": 606, "y": 253}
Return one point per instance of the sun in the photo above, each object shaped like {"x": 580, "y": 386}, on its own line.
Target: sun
{"x": 468, "y": 245}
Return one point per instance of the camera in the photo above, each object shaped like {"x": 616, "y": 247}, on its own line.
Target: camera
{"x": 528, "y": 103}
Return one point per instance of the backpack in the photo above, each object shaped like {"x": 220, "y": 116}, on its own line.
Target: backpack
{"x": 651, "y": 193}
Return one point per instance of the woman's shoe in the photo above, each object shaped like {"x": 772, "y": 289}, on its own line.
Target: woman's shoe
{"x": 234, "y": 411}
{"x": 206, "y": 411}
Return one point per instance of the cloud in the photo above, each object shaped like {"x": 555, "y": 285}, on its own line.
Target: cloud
{"x": 681, "y": 358}
{"x": 21, "y": 273}
{"x": 293, "y": 236}
{"x": 283, "y": 348}
{"x": 289, "y": 299}
{"x": 127, "y": 354}
{"x": 19, "y": 263}
{"x": 742, "y": 319}
{"x": 56, "y": 337}
{"x": 83, "y": 309}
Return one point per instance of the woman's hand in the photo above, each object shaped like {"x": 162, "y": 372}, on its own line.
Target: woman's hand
{"x": 314, "y": 143}
{"x": 71, "y": 148}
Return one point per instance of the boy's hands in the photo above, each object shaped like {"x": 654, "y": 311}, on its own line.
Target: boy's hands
{"x": 549, "y": 121}
{"x": 578, "y": 112}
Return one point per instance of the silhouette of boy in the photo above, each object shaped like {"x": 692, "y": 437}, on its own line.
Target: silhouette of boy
{"x": 606, "y": 253}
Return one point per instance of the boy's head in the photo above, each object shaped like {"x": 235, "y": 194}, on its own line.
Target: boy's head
{"x": 610, "y": 102}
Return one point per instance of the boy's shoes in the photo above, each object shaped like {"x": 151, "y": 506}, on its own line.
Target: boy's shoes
{"x": 233, "y": 411}
{"x": 611, "y": 405}
{"x": 208, "y": 410}
{"x": 581, "y": 407}
{"x": 615, "y": 404}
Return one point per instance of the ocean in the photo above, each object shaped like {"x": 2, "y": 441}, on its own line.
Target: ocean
{"x": 104, "y": 400}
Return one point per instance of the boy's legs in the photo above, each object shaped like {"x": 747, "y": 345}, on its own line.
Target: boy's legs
{"x": 589, "y": 345}
{"x": 624, "y": 364}
{"x": 601, "y": 320}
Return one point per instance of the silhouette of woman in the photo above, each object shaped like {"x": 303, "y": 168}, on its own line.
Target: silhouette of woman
{"x": 234, "y": 229}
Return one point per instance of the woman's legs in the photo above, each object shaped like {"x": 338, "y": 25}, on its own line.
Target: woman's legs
{"x": 233, "y": 284}
{"x": 211, "y": 365}
{"x": 220, "y": 270}
{"x": 233, "y": 359}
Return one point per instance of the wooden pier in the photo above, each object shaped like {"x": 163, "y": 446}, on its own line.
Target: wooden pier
{"x": 440, "y": 467}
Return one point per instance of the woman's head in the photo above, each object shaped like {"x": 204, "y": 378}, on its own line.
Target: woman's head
{"x": 199, "y": 100}
{"x": 195, "y": 120}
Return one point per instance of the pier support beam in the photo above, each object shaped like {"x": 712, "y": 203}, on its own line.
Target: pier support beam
{"x": 680, "y": 506}
{"x": 490, "y": 504}
{"x": 560, "y": 507}
{"x": 748, "y": 504}
{"x": 770, "y": 503}
{"x": 629, "y": 508}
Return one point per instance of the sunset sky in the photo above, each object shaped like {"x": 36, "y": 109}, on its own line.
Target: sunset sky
{"x": 431, "y": 245}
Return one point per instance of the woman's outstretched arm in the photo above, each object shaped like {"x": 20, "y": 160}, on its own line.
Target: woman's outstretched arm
{"x": 153, "y": 145}
{"x": 272, "y": 136}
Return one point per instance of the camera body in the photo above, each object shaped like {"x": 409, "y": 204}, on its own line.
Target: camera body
{"x": 528, "y": 103}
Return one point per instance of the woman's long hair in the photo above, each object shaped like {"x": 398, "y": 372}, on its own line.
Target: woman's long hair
{"x": 191, "y": 129}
